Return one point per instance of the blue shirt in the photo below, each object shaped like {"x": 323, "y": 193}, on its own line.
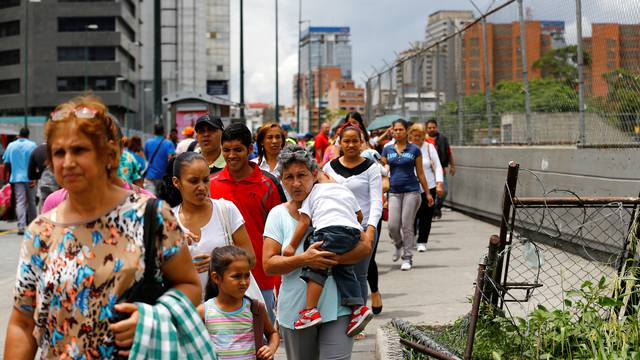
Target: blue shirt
{"x": 139, "y": 159}
{"x": 403, "y": 177}
{"x": 17, "y": 154}
{"x": 158, "y": 166}
{"x": 293, "y": 291}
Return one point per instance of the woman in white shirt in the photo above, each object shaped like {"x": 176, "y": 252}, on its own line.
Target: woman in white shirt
{"x": 270, "y": 140}
{"x": 362, "y": 176}
{"x": 433, "y": 172}
{"x": 207, "y": 223}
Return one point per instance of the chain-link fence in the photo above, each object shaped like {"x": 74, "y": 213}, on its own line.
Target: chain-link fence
{"x": 554, "y": 242}
{"x": 521, "y": 72}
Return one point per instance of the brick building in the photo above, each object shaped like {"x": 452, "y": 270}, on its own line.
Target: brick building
{"x": 343, "y": 95}
{"x": 504, "y": 51}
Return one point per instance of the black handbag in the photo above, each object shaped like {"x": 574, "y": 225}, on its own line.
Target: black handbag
{"x": 147, "y": 290}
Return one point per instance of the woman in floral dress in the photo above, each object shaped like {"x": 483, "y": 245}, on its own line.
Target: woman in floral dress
{"x": 79, "y": 258}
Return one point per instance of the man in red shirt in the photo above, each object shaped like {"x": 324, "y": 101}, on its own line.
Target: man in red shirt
{"x": 322, "y": 141}
{"x": 243, "y": 183}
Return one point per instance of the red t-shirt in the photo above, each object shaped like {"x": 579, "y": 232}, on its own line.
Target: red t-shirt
{"x": 321, "y": 144}
{"x": 254, "y": 196}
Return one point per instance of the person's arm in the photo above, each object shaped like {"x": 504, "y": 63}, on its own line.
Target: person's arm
{"x": 19, "y": 343}
{"x": 241, "y": 239}
{"x": 298, "y": 234}
{"x": 200, "y": 310}
{"x": 422, "y": 179}
{"x": 267, "y": 352}
{"x": 375, "y": 196}
{"x": 452, "y": 163}
{"x": 274, "y": 263}
{"x": 181, "y": 274}
{"x": 360, "y": 216}
{"x": 439, "y": 173}
{"x": 360, "y": 251}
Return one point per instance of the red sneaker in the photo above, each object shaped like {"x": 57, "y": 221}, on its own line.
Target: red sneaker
{"x": 359, "y": 319}
{"x": 307, "y": 318}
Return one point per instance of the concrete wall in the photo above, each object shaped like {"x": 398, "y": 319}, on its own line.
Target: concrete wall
{"x": 478, "y": 184}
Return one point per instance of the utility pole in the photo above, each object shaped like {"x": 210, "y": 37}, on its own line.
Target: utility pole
{"x": 320, "y": 89}
{"x": 157, "y": 62}
{"x": 298, "y": 82}
{"x": 311, "y": 81}
{"x": 26, "y": 63}
{"x": 525, "y": 73}
{"x": 581, "y": 106}
{"x": 277, "y": 112}
{"x": 241, "y": 60}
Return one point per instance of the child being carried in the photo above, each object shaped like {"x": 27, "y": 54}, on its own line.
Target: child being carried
{"x": 334, "y": 212}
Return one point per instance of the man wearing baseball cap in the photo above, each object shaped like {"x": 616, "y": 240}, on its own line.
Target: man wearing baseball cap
{"x": 208, "y": 134}
{"x": 188, "y": 143}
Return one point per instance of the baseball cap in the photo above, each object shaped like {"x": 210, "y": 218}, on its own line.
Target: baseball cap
{"x": 188, "y": 131}
{"x": 213, "y": 121}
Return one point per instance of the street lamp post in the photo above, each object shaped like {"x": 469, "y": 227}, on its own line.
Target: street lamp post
{"x": 241, "y": 60}
{"x": 277, "y": 112}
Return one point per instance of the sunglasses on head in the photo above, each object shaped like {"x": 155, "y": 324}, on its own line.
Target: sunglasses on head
{"x": 80, "y": 112}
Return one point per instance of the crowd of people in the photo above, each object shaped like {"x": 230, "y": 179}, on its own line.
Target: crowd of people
{"x": 222, "y": 245}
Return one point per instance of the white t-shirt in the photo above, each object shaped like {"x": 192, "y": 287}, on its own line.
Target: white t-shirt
{"x": 212, "y": 234}
{"x": 183, "y": 145}
{"x": 429, "y": 152}
{"x": 331, "y": 204}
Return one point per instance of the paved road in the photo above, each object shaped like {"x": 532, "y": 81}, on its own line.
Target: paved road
{"x": 435, "y": 291}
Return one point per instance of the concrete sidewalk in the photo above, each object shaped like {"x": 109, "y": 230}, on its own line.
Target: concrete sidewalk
{"x": 437, "y": 289}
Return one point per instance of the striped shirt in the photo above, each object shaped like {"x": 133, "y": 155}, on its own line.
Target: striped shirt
{"x": 231, "y": 332}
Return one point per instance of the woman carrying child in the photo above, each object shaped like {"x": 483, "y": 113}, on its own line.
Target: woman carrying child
{"x": 328, "y": 340}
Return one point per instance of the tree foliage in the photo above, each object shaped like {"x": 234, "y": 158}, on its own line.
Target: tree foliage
{"x": 562, "y": 64}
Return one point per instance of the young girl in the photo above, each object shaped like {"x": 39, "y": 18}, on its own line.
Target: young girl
{"x": 231, "y": 318}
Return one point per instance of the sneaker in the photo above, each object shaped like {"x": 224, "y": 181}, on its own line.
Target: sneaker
{"x": 307, "y": 318}
{"x": 359, "y": 319}
{"x": 406, "y": 265}
{"x": 422, "y": 247}
{"x": 21, "y": 232}
{"x": 396, "y": 255}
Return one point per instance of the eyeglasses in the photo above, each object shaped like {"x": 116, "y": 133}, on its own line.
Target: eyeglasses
{"x": 81, "y": 112}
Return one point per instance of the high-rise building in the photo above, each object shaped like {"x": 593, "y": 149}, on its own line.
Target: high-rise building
{"x": 65, "y": 48}
{"x": 611, "y": 47}
{"x": 442, "y": 65}
{"x": 504, "y": 51}
{"x": 327, "y": 49}
{"x": 196, "y": 47}
{"x": 326, "y": 46}
{"x": 343, "y": 95}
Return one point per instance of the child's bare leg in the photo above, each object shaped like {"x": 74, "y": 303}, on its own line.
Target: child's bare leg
{"x": 314, "y": 290}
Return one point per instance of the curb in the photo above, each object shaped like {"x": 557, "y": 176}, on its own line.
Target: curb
{"x": 386, "y": 339}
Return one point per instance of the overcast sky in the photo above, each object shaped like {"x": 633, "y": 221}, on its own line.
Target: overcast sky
{"x": 378, "y": 28}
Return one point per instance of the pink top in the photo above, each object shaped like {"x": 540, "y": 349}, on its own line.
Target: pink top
{"x": 55, "y": 198}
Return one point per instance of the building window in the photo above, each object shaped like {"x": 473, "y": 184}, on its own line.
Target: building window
{"x": 10, "y": 28}
{"x": 220, "y": 68}
{"x": 9, "y": 3}
{"x": 102, "y": 83}
{"x": 9, "y": 57}
{"x": 212, "y": 35}
{"x": 11, "y": 86}
{"x": 217, "y": 87}
{"x": 70, "y": 83}
{"x": 79, "y": 24}
{"x": 473, "y": 42}
{"x": 80, "y": 53}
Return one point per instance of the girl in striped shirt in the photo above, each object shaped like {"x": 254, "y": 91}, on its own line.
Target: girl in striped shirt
{"x": 231, "y": 318}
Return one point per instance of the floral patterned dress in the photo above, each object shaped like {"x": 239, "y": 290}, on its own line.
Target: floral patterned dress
{"x": 71, "y": 276}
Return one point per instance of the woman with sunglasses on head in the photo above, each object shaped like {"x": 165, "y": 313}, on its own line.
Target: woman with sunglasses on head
{"x": 78, "y": 259}
{"x": 55, "y": 198}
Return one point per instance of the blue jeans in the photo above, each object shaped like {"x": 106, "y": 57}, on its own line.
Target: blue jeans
{"x": 270, "y": 303}
{"x": 440, "y": 200}
{"x": 26, "y": 209}
{"x": 339, "y": 240}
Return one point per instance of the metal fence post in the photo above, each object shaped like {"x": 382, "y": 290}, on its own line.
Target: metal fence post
{"x": 460, "y": 90}
{"x": 419, "y": 85}
{"x": 525, "y": 73}
{"x": 368, "y": 93}
{"x": 487, "y": 81}
{"x": 473, "y": 321}
{"x": 581, "y": 105}
{"x": 507, "y": 203}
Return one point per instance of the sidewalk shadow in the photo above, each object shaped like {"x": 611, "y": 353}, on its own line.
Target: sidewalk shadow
{"x": 403, "y": 314}
{"x": 443, "y": 249}
{"x": 394, "y": 267}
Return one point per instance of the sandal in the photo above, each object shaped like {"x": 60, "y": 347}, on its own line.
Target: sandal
{"x": 376, "y": 299}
